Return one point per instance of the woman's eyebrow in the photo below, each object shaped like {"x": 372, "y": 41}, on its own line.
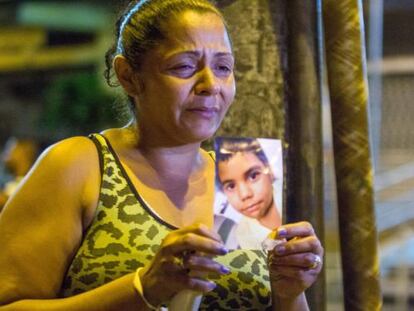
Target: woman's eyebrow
{"x": 219, "y": 54}
{"x": 189, "y": 53}
{"x": 198, "y": 54}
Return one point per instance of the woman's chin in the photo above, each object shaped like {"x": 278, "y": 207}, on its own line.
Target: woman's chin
{"x": 203, "y": 129}
{"x": 201, "y": 135}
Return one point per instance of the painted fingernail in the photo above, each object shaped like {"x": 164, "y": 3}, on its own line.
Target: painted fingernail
{"x": 223, "y": 251}
{"x": 280, "y": 249}
{"x": 224, "y": 270}
{"x": 211, "y": 286}
{"x": 281, "y": 232}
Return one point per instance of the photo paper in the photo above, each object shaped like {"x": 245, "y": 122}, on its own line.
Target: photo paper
{"x": 248, "y": 190}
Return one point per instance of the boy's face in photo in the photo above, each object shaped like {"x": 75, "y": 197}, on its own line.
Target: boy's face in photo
{"x": 247, "y": 183}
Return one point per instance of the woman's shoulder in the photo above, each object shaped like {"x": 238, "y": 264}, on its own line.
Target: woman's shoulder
{"x": 122, "y": 138}
{"x": 75, "y": 148}
{"x": 72, "y": 164}
{"x": 63, "y": 169}
{"x": 75, "y": 154}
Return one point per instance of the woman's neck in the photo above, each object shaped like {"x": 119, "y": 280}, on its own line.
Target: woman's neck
{"x": 164, "y": 157}
{"x": 170, "y": 169}
{"x": 176, "y": 166}
{"x": 169, "y": 157}
{"x": 173, "y": 162}
{"x": 176, "y": 169}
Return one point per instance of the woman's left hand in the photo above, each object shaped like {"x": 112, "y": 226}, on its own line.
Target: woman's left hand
{"x": 295, "y": 264}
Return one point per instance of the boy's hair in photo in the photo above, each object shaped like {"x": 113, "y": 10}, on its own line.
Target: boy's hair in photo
{"x": 226, "y": 148}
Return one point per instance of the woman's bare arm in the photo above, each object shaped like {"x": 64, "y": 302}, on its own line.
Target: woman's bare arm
{"x": 41, "y": 229}
{"x": 114, "y": 296}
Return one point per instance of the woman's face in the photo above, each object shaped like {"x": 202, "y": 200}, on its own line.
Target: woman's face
{"x": 247, "y": 183}
{"x": 187, "y": 81}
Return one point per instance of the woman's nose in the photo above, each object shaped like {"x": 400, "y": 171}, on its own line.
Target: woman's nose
{"x": 207, "y": 83}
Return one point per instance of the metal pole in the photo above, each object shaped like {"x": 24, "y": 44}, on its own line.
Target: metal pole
{"x": 304, "y": 121}
{"x": 347, "y": 77}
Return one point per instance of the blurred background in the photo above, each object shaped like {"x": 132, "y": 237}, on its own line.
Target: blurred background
{"x": 390, "y": 49}
{"x": 51, "y": 86}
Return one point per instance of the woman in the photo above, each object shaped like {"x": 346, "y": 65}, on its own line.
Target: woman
{"x": 127, "y": 227}
{"x": 244, "y": 175}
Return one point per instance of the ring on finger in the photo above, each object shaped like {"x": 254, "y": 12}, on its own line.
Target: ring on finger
{"x": 181, "y": 260}
{"x": 316, "y": 262}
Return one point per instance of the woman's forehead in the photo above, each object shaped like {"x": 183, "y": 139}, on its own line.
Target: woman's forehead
{"x": 194, "y": 31}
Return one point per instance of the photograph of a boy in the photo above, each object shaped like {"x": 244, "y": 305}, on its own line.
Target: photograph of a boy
{"x": 245, "y": 177}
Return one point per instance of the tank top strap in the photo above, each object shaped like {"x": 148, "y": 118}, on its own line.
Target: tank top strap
{"x": 212, "y": 154}
{"x": 105, "y": 152}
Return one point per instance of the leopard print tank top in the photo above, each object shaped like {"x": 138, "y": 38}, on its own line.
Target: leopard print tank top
{"x": 126, "y": 233}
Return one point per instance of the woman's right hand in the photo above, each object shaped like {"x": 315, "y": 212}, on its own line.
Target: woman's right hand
{"x": 183, "y": 261}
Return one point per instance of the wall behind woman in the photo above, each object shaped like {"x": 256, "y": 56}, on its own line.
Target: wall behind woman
{"x": 258, "y": 107}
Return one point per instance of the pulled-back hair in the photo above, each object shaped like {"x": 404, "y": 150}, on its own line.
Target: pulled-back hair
{"x": 226, "y": 148}
{"x": 139, "y": 29}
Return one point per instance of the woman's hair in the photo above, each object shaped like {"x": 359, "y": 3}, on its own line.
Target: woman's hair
{"x": 226, "y": 148}
{"x": 139, "y": 29}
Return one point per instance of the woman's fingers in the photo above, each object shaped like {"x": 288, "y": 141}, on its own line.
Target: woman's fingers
{"x": 295, "y": 273}
{"x": 195, "y": 265}
{"x": 201, "y": 266}
{"x": 195, "y": 238}
{"x": 295, "y": 263}
{"x": 300, "y": 245}
{"x": 298, "y": 229}
{"x": 203, "y": 230}
{"x": 194, "y": 242}
{"x": 194, "y": 283}
{"x": 184, "y": 261}
{"x": 302, "y": 261}
{"x": 300, "y": 237}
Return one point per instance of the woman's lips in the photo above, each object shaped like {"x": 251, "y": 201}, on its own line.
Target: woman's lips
{"x": 204, "y": 112}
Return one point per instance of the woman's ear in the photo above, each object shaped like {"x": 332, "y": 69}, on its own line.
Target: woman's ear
{"x": 126, "y": 76}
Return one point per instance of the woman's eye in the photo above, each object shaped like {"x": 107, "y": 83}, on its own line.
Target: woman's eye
{"x": 183, "y": 70}
{"x": 224, "y": 69}
{"x": 184, "y": 67}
